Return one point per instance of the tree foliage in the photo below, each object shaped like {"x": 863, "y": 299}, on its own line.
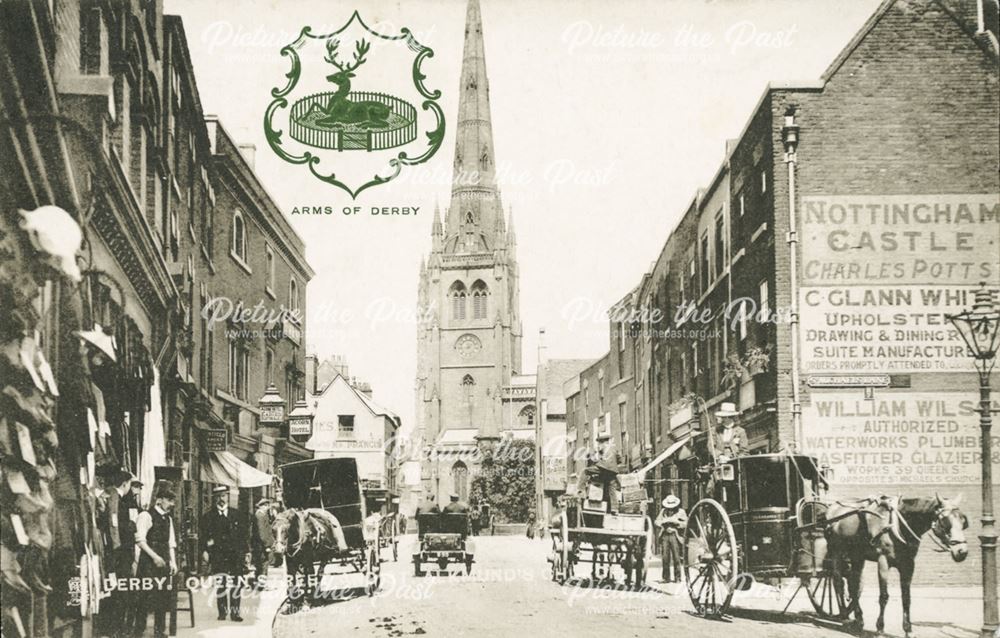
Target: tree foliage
{"x": 506, "y": 481}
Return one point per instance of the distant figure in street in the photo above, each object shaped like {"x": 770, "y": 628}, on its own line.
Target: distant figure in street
{"x": 456, "y": 506}
{"x": 474, "y": 520}
{"x": 530, "y": 531}
{"x": 262, "y": 540}
{"x": 670, "y": 523}
{"x": 223, "y": 545}
{"x": 731, "y": 442}
{"x": 155, "y": 557}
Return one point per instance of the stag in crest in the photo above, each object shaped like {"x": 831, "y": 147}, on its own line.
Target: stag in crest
{"x": 340, "y": 108}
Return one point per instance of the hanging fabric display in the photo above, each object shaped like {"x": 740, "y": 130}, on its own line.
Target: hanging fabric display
{"x": 37, "y": 249}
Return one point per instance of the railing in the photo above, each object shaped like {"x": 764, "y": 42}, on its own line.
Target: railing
{"x": 341, "y": 140}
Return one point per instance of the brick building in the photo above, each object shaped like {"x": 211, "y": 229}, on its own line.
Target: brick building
{"x": 895, "y": 176}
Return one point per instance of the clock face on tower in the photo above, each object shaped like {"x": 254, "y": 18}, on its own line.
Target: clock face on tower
{"x": 468, "y": 345}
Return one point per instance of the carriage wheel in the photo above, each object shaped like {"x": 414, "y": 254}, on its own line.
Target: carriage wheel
{"x": 824, "y": 595}
{"x": 710, "y": 558}
{"x": 373, "y": 573}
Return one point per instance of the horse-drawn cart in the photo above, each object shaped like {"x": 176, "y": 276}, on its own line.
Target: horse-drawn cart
{"x": 325, "y": 524}
{"x": 584, "y": 532}
{"x": 388, "y": 534}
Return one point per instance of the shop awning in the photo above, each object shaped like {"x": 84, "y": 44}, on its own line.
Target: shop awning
{"x": 225, "y": 468}
{"x": 665, "y": 454}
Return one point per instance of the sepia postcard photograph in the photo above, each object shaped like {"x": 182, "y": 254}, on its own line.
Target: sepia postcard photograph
{"x": 463, "y": 318}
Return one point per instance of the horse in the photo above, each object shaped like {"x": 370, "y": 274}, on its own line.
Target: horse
{"x": 888, "y": 531}
{"x": 306, "y": 538}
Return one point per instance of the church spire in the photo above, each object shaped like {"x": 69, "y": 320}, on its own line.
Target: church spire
{"x": 475, "y": 198}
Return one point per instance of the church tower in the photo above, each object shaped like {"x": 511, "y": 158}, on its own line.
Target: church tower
{"x": 469, "y": 334}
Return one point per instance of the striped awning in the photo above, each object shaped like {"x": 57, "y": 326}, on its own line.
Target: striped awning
{"x": 225, "y": 468}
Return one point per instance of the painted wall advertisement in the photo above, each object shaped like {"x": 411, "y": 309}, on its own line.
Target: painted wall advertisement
{"x": 879, "y": 274}
{"x": 897, "y": 438}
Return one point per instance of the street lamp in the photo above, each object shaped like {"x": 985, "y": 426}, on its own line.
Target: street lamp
{"x": 300, "y": 419}
{"x": 272, "y": 407}
{"x": 980, "y": 330}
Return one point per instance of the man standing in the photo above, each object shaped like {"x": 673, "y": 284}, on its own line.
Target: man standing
{"x": 119, "y": 547}
{"x": 155, "y": 560}
{"x": 671, "y": 523}
{"x": 223, "y": 547}
{"x": 262, "y": 540}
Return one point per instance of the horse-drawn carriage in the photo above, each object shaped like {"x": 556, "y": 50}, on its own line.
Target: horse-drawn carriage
{"x": 766, "y": 517}
{"x": 746, "y": 527}
{"x": 443, "y": 540}
{"x": 586, "y": 532}
{"x": 325, "y": 523}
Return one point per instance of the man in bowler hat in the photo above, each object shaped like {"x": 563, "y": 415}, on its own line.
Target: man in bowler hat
{"x": 224, "y": 546}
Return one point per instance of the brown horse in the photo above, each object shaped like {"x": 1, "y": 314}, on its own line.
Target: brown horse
{"x": 888, "y": 531}
{"x": 306, "y": 538}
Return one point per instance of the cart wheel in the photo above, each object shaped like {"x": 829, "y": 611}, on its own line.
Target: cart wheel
{"x": 373, "y": 573}
{"x": 824, "y": 595}
{"x": 710, "y": 558}
{"x": 417, "y": 571}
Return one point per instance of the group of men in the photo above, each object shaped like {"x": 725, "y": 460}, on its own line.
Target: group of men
{"x": 142, "y": 543}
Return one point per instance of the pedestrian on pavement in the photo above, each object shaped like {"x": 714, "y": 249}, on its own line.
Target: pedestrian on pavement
{"x": 223, "y": 546}
{"x": 119, "y": 540}
{"x": 155, "y": 559}
{"x": 670, "y": 523}
{"x": 530, "y": 532}
{"x": 261, "y": 541}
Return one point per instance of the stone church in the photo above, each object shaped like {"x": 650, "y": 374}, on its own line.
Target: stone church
{"x": 469, "y": 389}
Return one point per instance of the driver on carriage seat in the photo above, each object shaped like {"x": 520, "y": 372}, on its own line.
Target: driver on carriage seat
{"x": 456, "y": 506}
{"x": 731, "y": 441}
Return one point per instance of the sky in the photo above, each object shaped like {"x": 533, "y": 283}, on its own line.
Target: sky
{"x": 607, "y": 117}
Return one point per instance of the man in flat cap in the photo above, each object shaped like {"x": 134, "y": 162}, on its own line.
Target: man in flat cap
{"x": 155, "y": 559}
{"x": 224, "y": 546}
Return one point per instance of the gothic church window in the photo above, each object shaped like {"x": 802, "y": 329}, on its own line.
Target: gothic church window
{"x": 457, "y": 294}
{"x": 484, "y": 159}
{"x": 527, "y": 416}
{"x": 480, "y": 296}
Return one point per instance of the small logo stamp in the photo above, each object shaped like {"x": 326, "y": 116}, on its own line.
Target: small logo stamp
{"x": 354, "y": 106}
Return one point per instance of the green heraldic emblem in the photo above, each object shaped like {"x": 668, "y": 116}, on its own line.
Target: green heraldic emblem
{"x": 350, "y": 107}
